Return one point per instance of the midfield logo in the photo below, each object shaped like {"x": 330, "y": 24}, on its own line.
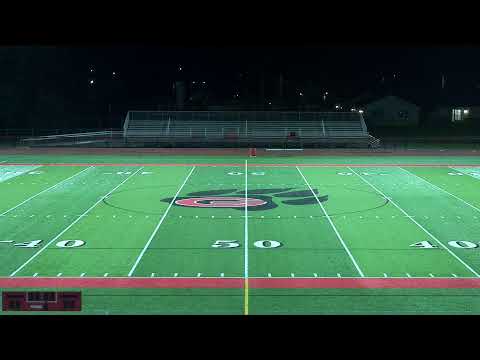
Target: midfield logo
{"x": 258, "y": 199}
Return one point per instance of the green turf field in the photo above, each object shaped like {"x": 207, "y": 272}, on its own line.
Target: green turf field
{"x": 245, "y": 218}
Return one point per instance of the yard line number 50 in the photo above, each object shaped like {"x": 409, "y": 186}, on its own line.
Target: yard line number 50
{"x": 261, "y": 244}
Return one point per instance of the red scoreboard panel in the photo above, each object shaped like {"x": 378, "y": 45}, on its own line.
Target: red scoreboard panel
{"x": 41, "y": 301}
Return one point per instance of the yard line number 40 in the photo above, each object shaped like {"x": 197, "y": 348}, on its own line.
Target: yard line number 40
{"x": 36, "y": 243}
{"x": 455, "y": 244}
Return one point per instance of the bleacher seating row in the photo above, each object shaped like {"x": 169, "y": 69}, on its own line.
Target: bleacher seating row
{"x": 246, "y": 126}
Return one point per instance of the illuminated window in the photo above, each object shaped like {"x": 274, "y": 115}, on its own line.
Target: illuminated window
{"x": 457, "y": 115}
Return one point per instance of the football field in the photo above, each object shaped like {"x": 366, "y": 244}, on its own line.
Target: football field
{"x": 243, "y": 235}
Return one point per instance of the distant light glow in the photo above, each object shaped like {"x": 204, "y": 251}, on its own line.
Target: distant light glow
{"x": 300, "y": 93}
{"x": 352, "y": 109}
{"x": 466, "y": 111}
{"x": 360, "y": 111}
{"x": 91, "y": 82}
{"x": 336, "y": 106}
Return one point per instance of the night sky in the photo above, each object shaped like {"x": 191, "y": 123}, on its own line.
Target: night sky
{"x": 43, "y": 81}
{"x": 345, "y": 70}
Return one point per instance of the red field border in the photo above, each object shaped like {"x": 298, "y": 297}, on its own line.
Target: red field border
{"x": 238, "y": 283}
{"x": 253, "y": 165}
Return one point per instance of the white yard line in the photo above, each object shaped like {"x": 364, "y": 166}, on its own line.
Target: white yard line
{"x": 246, "y": 223}
{"x": 159, "y": 224}
{"x": 44, "y": 191}
{"x": 4, "y": 161}
{"x": 73, "y": 223}
{"x": 445, "y": 191}
{"x": 420, "y": 226}
{"x": 333, "y": 226}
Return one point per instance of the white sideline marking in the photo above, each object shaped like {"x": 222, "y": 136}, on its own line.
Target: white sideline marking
{"x": 420, "y": 226}
{"x": 445, "y": 191}
{"x": 333, "y": 226}
{"x": 159, "y": 224}
{"x": 6, "y": 241}
{"x": 43, "y": 191}
{"x": 245, "y": 265}
{"x": 72, "y": 224}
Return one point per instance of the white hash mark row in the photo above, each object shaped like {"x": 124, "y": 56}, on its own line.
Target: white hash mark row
{"x": 269, "y": 275}
{"x": 114, "y": 216}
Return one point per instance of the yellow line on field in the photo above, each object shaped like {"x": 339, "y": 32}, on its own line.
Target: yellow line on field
{"x": 245, "y": 298}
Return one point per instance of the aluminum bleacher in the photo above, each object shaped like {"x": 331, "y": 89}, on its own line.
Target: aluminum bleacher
{"x": 250, "y": 128}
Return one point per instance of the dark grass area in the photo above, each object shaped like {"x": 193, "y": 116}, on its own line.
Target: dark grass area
{"x": 277, "y": 302}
